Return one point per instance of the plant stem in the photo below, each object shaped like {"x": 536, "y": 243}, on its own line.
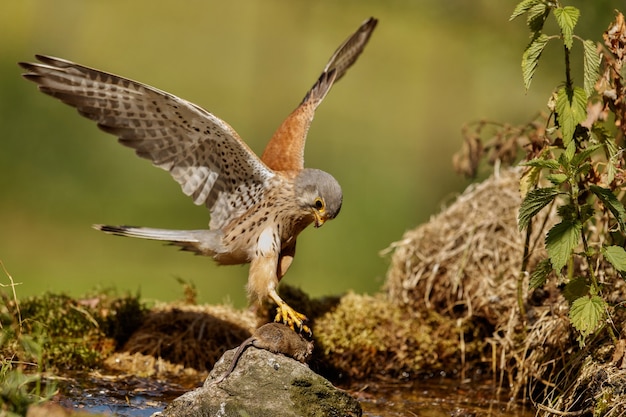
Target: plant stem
{"x": 522, "y": 274}
{"x": 569, "y": 85}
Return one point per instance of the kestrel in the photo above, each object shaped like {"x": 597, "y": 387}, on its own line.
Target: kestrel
{"x": 258, "y": 206}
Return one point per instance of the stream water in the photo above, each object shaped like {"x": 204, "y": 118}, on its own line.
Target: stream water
{"x": 141, "y": 397}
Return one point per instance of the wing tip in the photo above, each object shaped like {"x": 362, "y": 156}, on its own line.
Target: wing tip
{"x": 114, "y": 230}
{"x": 369, "y": 24}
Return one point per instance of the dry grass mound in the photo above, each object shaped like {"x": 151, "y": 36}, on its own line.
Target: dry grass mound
{"x": 465, "y": 264}
{"x": 193, "y": 336}
{"x": 466, "y": 260}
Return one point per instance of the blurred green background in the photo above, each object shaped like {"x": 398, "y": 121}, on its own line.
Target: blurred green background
{"x": 387, "y": 131}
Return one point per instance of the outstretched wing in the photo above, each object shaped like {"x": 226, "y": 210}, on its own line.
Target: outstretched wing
{"x": 285, "y": 150}
{"x": 202, "y": 152}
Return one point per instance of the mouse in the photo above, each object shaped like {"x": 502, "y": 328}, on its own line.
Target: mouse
{"x": 276, "y": 338}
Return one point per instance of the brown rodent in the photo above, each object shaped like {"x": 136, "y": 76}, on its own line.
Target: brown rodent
{"x": 277, "y": 338}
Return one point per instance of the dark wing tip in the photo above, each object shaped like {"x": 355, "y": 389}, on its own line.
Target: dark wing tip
{"x": 370, "y": 23}
{"x": 114, "y": 230}
{"x": 54, "y": 61}
{"x": 31, "y": 75}
{"x": 26, "y": 65}
{"x": 45, "y": 61}
{"x": 106, "y": 228}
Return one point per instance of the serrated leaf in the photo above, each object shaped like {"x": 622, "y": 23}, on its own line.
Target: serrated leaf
{"x": 601, "y": 134}
{"x": 611, "y": 202}
{"x": 577, "y": 287}
{"x": 581, "y": 156}
{"x": 542, "y": 163}
{"x": 587, "y": 313}
{"x": 567, "y": 17}
{"x": 561, "y": 241}
{"x": 522, "y": 7}
{"x": 616, "y": 255}
{"x": 570, "y": 151}
{"x": 571, "y": 108}
{"x": 534, "y": 202}
{"x": 530, "y": 58}
{"x": 591, "y": 65}
{"x": 540, "y": 275}
{"x": 537, "y": 16}
{"x": 567, "y": 212}
{"x": 564, "y": 161}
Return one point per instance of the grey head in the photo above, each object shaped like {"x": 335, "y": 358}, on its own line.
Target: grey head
{"x": 320, "y": 193}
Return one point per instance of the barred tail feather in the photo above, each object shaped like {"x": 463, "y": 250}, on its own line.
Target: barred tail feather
{"x": 203, "y": 242}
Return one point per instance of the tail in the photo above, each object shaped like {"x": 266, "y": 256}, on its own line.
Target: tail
{"x": 202, "y": 242}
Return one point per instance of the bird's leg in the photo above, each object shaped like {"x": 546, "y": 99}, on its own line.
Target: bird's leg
{"x": 288, "y": 315}
{"x": 265, "y": 274}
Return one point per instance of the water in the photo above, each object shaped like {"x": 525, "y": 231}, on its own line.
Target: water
{"x": 438, "y": 398}
{"x": 141, "y": 397}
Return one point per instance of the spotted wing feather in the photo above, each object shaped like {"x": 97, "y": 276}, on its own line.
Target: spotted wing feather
{"x": 202, "y": 152}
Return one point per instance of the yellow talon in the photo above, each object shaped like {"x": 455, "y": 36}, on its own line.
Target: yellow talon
{"x": 292, "y": 318}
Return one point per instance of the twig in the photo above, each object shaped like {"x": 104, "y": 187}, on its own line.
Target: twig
{"x": 12, "y": 285}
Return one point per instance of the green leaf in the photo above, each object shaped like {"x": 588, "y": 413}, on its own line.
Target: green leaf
{"x": 567, "y": 212}
{"x": 530, "y": 58}
{"x": 587, "y": 313}
{"x": 583, "y": 155}
{"x": 561, "y": 241}
{"x": 534, "y": 202}
{"x": 537, "y": 16}
{"x": 522, "y": 7}
{"x": 591, "y": 64}
{"x": 577, "y": 287}
{"x": 567, "y": 17}
{"x": 616, "y": 255}
{"x": 540, "y": 275}
{"x": 570, "y": 151}
{"x": 565, "y": 161}
{"x": 571, "y": 108}
{"x": 542, "y": 163}
{"x": 557, "y": 179}
{"x": 611, "y": 202}
{"x": 602, "y": 134}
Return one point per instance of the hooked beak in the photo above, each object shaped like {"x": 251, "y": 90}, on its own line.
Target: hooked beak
{"x": 319, "y": 219}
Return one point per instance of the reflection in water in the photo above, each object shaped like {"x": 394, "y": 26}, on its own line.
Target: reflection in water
{"x": 438, "y": 398}
{"x": 141, "y": 397}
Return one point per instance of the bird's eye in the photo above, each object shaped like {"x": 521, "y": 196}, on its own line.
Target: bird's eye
{"x": 319, "y": 204}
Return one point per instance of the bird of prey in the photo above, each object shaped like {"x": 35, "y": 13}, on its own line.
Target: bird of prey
{"x": 257, "y": 206}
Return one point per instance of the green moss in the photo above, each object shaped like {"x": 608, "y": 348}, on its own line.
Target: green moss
{"x": 368, "y": 335}
{"x": 56, "y": 331}
{"x": 322, "y": 400}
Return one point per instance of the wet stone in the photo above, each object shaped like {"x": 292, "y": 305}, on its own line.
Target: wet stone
{"x": 263, "y": 384}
